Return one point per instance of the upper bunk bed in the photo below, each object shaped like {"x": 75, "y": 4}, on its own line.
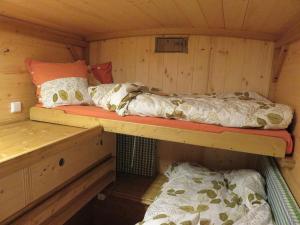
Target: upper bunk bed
{"x": 274, "y": 143}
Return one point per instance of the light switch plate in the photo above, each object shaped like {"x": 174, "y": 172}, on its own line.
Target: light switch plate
{"x": 15, "y": 107}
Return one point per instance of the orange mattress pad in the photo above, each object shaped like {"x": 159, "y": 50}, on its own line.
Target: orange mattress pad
{"x": 94, "y": 111}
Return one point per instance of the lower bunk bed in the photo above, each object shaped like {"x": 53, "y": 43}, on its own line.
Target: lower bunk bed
{"x": 246, "y": 199}
{"x": 276, "y": 143}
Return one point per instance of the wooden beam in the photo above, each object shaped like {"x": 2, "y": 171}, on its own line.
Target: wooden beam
{"x": 27, "y": 28}
{"x": 185, "y": 31}
{"x": 74, "y": 53}
{"x": 278, "y": 60}
{"x": 291, "y": 35}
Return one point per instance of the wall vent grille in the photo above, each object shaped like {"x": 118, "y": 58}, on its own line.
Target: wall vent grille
{"x": 171, "y": 44}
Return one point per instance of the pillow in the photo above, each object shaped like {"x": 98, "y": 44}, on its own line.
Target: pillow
{"x": 103, "y": 72}
{"x": 42, "y": 72}
{"x": 65, "y": 91}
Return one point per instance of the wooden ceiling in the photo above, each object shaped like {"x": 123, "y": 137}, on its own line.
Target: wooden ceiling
{"x": 264, "y": 19}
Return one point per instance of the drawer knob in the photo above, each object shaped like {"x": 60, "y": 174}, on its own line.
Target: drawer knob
{"x": 61, "y": 162}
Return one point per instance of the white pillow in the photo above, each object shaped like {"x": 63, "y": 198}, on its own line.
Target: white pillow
{"x": 65, "y": 91}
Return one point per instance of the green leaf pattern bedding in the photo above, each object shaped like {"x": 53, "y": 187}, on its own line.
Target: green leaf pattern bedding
{"x": 195, "y": 195}
{"x": 65, "y": 91}
{"x": 238, "y": 109}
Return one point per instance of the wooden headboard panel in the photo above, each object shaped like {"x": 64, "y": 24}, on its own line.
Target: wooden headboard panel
{"x": 211, "y": 64}
{"x": 287, "y": 90}
{"x": 15, "y": 82}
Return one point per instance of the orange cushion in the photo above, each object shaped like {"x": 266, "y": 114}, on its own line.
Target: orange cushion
{"x": 44, "y": 71}
{"x": 103, "y": 73}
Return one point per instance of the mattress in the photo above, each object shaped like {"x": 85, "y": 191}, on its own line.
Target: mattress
{"x": 92, "y": 111}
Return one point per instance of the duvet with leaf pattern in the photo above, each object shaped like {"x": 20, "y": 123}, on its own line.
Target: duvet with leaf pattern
{"x": 195, "y": 195}
{"x": 238, "y": 109}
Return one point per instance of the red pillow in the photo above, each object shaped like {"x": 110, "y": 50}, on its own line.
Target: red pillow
{"x": 103, "y": 72}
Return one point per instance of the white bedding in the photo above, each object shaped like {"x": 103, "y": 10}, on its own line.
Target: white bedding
{"x": 238, "y": 109}
{"x": 194, "y": 195}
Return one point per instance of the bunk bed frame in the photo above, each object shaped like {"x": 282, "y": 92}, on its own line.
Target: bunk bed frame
{"x": 233, "y": 141}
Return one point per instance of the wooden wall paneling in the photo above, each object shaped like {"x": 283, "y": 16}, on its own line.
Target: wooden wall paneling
{"x": 116, "y": 56}
{"x": 201, "y": 65}
{"x": 218, "y": 61}
{"x": 143, "y": 54}
{"x": 226, "y": 65}
{"x": 156, "y": 66}
{"x": 16, "y": 83}
{"x": 287, "y": 92}
{"x": 212, "y": 64}
{"x": 257, "y": 73}
{"x": 170, "y": 78}
{"x": 128, "y": 60}
{"x": 235, "y": 65}
{"x": 93, "y": 52}
{"x": 185, "y": 67}
{"x": 239, "y": 64}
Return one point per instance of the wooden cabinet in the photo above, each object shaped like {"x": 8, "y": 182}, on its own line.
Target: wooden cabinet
{"x": 53, "y": 171}
{"x": 12, "y": 194}
{"x": 45, "y": 164}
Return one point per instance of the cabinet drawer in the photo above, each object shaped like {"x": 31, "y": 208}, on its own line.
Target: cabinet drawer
{"x": 12, "y": 194}
{"x": 53, "y": 171}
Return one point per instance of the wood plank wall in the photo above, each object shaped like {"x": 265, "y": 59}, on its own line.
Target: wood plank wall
{"x": 287, "y": 92}
{"x": 213, "y": 64}
{"x": 15, "y": 82}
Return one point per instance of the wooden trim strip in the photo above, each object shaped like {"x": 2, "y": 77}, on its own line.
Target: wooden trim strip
{"x": 38, "y": 31}
{"x": 249, "y": 143}
{"x": 185, "y": 31}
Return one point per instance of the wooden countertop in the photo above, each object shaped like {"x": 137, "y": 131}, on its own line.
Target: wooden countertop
{"x": 20, "y": 141}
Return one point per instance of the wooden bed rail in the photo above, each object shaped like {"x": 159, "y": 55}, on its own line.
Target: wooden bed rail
{"x": 232, "y": 141}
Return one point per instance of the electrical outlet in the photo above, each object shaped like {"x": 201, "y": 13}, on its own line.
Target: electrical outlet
{"x": 15, "y": 107}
